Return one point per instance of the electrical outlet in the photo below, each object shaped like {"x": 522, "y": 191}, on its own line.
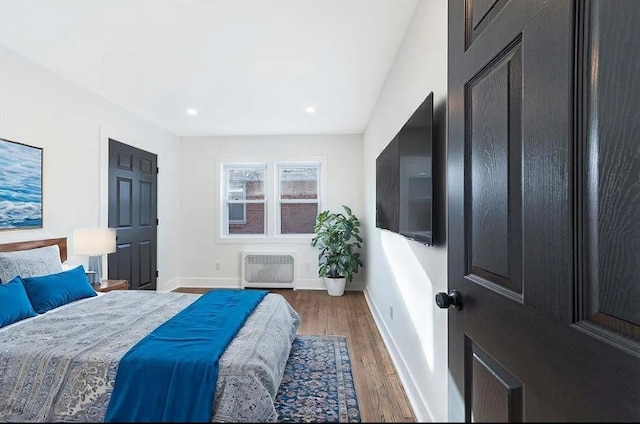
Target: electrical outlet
{"x": 390, "y": 311}
{"x": 217, "y": 266}
{"x": 307, "y": 267}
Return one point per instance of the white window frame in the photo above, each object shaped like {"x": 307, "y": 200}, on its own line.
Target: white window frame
{"x": 278, "y": 194}
{"x": 224, "y": 222}
{"x": 271, "y": 221}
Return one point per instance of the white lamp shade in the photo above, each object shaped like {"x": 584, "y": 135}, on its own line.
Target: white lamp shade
{"x": 94, "y": 241}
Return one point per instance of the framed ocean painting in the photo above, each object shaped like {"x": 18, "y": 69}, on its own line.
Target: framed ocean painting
{"x": 20, "y": 186}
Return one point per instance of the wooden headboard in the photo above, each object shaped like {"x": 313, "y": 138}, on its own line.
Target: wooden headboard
{"x": 26, "y": 245}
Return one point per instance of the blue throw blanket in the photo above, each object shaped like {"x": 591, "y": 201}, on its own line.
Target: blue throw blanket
{"x": 171, "y": 374}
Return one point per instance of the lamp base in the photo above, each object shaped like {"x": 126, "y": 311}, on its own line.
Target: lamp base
{"x": 94, "y": 272}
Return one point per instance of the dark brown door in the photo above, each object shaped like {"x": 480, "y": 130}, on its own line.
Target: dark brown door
{"x": 133, "y": 213}
{"x": 544, "y": 210}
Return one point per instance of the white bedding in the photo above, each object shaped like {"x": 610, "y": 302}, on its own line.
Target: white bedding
{"x": 61, "y": 365}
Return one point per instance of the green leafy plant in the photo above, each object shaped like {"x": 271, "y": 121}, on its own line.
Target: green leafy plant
{"x": 337, "y": 236}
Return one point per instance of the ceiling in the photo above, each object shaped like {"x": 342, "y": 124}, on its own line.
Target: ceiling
{"x": 248, "y": 67}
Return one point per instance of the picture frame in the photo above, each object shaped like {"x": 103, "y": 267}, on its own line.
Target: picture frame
{"x": 20, "y": 186}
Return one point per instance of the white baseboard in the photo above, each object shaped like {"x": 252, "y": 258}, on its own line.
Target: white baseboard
{"x": 318, "y": 284}
{"x": 168, "y": 286}
{"x": 309, "y": 284}
{"x": 208, "y": 283}
{"x": 418, "y": 404}
{"x": 235, "y": 283}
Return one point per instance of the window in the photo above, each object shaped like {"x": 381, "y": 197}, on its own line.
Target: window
{"x": 244, "y": 199}
{"x": 270, "y": 201}
{"x": 298, "y": 200}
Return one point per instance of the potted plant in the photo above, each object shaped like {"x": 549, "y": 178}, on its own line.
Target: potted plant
{"x": 337, "y": 236}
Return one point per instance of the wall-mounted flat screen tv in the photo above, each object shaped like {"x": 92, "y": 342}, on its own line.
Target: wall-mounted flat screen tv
{"x": 404, "y": 178}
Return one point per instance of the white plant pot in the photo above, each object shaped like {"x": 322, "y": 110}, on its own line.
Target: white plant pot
{"x": 335, "y": 286}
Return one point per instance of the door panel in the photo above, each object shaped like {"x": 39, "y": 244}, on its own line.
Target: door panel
{"x": 495, "y": 395}
{"x": 133, "y": 212}
{"x": 125, "y": 160}
{"x": 480, "y": 13}
{"x": 120, "y": 263}
{"x": 544, "y": 210}
{"x": 124, "y": 217}
{"x": 145, "y": 204}
{"x": 611, "y": 207}
{"x": 493, "y": 104}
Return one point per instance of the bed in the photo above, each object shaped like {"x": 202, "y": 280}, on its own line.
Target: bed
{"x": 61, "y": 366}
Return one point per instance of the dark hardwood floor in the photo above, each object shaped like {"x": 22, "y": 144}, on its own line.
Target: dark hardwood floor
{"x": 380, "y": 393}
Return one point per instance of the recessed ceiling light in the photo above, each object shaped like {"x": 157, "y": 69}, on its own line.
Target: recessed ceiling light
{"x": 310, "y": 109}
{"x": 191, "y": 111}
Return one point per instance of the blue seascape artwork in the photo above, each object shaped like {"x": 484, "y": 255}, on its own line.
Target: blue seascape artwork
{"x": 20, "y": 186}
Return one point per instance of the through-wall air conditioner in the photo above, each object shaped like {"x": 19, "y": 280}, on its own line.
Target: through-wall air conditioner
{"x": 268, "y": 269}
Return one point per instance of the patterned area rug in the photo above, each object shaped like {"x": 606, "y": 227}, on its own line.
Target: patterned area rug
{"x": 317, "y": 385}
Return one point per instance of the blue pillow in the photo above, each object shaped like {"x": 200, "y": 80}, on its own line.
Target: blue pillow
{"x": 50, "y": 291}
{"x": 14, "y": 303}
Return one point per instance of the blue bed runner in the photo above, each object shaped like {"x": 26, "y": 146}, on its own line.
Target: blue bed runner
{"x": 170, "y": 375}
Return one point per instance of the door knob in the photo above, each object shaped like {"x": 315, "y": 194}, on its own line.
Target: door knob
{"x": 444, "y": 300}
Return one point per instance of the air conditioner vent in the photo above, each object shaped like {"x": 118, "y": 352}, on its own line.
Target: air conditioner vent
{"x": 268, "y": 270}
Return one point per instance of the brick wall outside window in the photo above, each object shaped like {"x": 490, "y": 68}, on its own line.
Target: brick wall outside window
{"x": 298, "y": 218}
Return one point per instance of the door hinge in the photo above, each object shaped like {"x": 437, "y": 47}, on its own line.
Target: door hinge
{"x": 157, "y": 221}
{"x": 156, "y": 274}
{"x": 157, "y": 169}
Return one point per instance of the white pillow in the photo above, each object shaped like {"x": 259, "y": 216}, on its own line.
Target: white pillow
{"x": 30, "y": 263}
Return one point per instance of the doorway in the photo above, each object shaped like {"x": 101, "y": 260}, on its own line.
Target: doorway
{"x": 133, "y": 175}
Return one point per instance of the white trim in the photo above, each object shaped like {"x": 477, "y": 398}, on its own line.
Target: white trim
{"x": 197, "y": 282}
{"x": 103, "y": 184}
{"x": 319, "y": 284}
{"x": 420, "y": 407}
{"x": 235, "y": 283}
{"x": 298, "y": 201}
{"x": 168, "y": 286}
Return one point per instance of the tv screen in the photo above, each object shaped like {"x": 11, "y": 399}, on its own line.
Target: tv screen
{"x": 404, "y": 178}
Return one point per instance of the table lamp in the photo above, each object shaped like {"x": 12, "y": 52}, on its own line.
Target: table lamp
{"x": 94, "y": 242}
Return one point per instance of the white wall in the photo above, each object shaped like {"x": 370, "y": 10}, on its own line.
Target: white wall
{"x": 404, "y": 273}
{"x": 72, "y": 126}
{"x": 200, "y": 158}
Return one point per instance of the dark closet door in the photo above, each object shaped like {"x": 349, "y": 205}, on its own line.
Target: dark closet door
{"x": 133, "y": 213}
{"x": 544, "y": 210}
